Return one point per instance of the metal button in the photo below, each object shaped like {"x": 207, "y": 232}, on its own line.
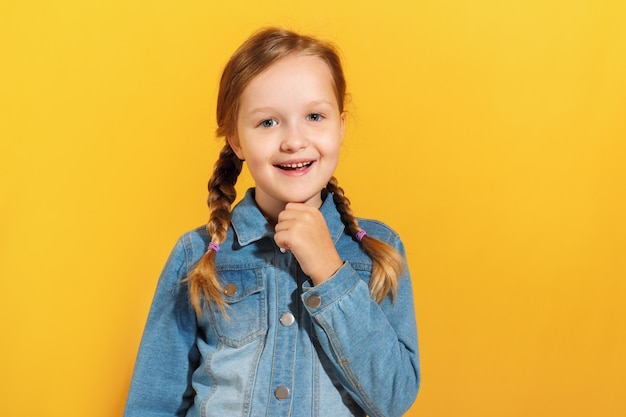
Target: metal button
{"x": 230, "y": 290}
{"x": 287, "y": 319}
{"x": 281, "y": 393}
{"x": 314, "y": 301}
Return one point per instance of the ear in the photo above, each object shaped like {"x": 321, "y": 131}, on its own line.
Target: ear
{"x": 233, "y": 141}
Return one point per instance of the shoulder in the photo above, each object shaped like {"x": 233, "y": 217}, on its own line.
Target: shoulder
{"x": 191, "y": 245}
{"x": 379, "y": 230}
{"x": 351, "y": 250}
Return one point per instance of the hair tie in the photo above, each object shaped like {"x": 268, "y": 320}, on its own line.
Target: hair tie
{"x": 214, "y": 246}
{"x": 360, "y": 234}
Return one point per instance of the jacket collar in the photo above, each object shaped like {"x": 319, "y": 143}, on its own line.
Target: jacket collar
{"x": 249, "y": 224}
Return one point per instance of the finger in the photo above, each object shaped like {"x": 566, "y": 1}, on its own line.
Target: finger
{"x": 298, "y": 206}
{"x": 307, "y": 215}
{"x": 297, "y": 209}
{"x": 281, "y": 242}
{"x": 292, "y": 211}
{"x": 286, "y": 215}
{"x": 285, "y": 224}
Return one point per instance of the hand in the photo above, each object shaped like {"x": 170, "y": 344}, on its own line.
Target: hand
{"x": 303, "y": 230}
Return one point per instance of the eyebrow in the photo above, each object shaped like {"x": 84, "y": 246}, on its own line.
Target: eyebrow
{"x": 261, "y": 110}
{"x": 270, "y": 109}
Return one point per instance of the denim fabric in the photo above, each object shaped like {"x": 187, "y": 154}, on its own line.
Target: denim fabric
{"x": 345, "y": 355}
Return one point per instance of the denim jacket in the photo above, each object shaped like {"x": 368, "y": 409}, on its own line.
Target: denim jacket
{"x": 285, "y": 347}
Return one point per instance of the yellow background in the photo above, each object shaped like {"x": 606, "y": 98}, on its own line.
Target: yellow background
{"x": 490, "y": 134}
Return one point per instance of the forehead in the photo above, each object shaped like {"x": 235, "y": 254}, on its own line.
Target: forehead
{"x": 295, "y": 76}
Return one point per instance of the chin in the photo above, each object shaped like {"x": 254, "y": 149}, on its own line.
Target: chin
{"x": 302, "y": 198}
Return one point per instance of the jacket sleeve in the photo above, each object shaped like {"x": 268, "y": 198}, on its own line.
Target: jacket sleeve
{"x": 167, "y": 355}
{"x": 372, "y": 347}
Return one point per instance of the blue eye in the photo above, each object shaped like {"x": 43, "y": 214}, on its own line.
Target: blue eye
{"x": 314, "y": 117}
{"x": 268, "y": 123}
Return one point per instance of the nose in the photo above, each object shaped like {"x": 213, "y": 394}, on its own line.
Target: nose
{"x": 295, "y": 138}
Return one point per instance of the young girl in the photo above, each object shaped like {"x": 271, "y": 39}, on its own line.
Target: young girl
{"x": 286, "y": 304}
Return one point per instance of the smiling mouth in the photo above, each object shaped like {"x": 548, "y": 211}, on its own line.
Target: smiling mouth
{"x": 295, "y": 167}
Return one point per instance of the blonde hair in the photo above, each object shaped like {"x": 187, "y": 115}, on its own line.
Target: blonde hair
{"x": 256, "y": 54}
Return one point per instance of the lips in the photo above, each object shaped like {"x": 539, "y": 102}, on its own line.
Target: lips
{"x": 295, "y": 166}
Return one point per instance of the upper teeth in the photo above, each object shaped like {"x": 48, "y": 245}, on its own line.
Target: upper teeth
{"x": 298, "y": 165}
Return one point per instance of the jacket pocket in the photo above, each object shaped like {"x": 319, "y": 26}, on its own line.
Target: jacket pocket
{"x": 246, "y": 310}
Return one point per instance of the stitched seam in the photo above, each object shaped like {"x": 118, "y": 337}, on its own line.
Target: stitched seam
{"x": 345, "y": 365}
{"x": 247, "y": 406}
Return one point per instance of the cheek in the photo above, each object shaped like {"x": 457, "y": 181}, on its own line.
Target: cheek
{"x": 249, "y": 145}
{"x": 332, "y": 144}
{"x": 257, "y": 156}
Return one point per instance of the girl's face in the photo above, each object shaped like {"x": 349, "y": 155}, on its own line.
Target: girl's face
{"x": 289, "y": 130}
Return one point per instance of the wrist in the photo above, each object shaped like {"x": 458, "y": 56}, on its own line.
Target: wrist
{"x": 326, "y": 271}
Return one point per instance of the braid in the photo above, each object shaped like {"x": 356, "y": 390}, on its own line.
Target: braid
{"x": 343, "y": 205}
{"x": 387, "y": 263}
{"x": 203, "y": 280}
